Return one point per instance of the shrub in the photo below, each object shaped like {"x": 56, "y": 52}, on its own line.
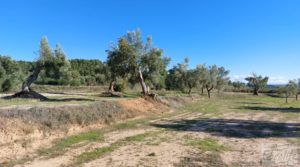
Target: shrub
{"x": 7, "y": 85}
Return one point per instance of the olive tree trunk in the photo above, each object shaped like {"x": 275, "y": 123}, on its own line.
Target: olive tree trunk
{"x": 33, "y": 77}
{"x": 112, "y": 86}
{"x": 255, "y": 91}
{"x": 209, "y": 90}
{"x": 143, "y": 84}
{"x": 190, "y": 91}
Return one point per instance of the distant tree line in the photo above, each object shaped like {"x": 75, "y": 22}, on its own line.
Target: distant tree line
{"x": 130, "y": 61}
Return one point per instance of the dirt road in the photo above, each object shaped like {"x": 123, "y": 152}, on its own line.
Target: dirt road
{"x": 203, "y": 134}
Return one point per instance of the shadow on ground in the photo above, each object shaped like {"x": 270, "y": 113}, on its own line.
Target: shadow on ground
{"x": 275, "y": 95}
{"x": 35, "y": 95}
{"x": 67, "y": 99}
{"x": 250, "y": 103}
{"x": 277, "y": 109}
{"x": 235, "y": 128}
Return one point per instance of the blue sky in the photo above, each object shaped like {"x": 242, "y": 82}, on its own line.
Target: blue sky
{"x": 244, "y": 36}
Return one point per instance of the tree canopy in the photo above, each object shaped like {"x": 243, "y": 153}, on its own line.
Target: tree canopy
{"x": 257, "y": 82}
{"x": 137, "y": 61}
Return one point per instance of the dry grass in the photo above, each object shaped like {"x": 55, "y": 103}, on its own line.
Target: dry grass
{"x": 55, "y": 117}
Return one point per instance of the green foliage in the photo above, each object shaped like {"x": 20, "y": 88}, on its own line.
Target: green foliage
{"x": 207, "y": 144}
{"x": 289, "y": 89}
{"x": 11, "y": 74}
{"x": 131, "y": 55}
{"x": 257, "y": 82}
{"x": 88, "y": 72}
{"x": 238, "y": 85}
{"x": 154, "y": 67}
{"x": 121, "y": 85}
{"x": 176, "y": 80}
{"x": 182, "y": 78}
{"x": 54, "y": 65}
{"x": 121, "y": 59}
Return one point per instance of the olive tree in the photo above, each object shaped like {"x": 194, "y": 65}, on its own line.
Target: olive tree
{"x": 298, "y": 89}
{"x": 182, "y": 78}
{"x": 222, "y": 78}
{"x": 290, "y": 90}
{"x": 201, "y": 73}
{"x": 154, "y": 67}
{"x": 119, "y": 61}
{"x": 136, "y": 60}
{"x": 215, "y": 78}
{"x": 257, "y": 82}
{"x": 10, "y": 74}
{"x": 238, "y": 85}
{"x": 49, "y": 62}
{"x": 176, "y": 79}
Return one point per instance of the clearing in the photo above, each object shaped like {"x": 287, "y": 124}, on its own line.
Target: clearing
{"x": 228, "y": 130}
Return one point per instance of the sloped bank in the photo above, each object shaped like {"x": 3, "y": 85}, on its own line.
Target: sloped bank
{"x": 24, "y": 130}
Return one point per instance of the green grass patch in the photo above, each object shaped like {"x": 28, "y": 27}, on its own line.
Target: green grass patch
{"x": 17, "y": 101}
{"x": 62, "y": 145}
{"x": 99, "y": 152}
{"x": 132, "y": 94}
{"x": 92, "y": 155}
{"x": 207, "y": 144}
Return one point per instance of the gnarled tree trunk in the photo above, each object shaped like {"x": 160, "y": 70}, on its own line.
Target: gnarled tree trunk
{"x": 143, "y": 84}
{"x": 33, "y": 77}
{"x": 190, "y": 91}
{"x": 112, "y": 86}
{"x": 208, "y": 90}
{"x": 255, "y": 91}
{"x": 26, "y": 92}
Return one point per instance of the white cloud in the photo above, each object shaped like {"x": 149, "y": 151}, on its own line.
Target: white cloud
{"x": 278, "y": 80}
{"x": 274, "y": 80}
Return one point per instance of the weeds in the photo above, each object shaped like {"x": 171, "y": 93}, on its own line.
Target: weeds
{"x": 207, "y": 144}
{"x": 61, "y": 146}
{"x": 98, "y": 152}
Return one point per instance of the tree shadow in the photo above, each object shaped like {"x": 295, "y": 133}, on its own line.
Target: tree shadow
{"x": 35, "y": 95}
{"x": 275, "y": 95}
{"x": 235, "y": 128}
{"x": 277, "y": 109}
{"x": 250, "y": 103}
{"x": 67, "y": 99}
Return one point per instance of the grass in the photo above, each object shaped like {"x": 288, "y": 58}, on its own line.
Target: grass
{"x": 207, "y": 144}
{"x": 61, "y": 146}
{"x": 98, "y": 152}
{"x": 207, "y": 107}
{"x": 216, "y": 106}
{"x": 92, "y": 155}
{"x": 240, "y": 103}
{"x": 15, "y": 102}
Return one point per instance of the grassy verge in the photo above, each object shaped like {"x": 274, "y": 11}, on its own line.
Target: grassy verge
{"x": 99, "y": 152}
{"x": 61, "y": 146}
{"x": 207, "y": 144}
